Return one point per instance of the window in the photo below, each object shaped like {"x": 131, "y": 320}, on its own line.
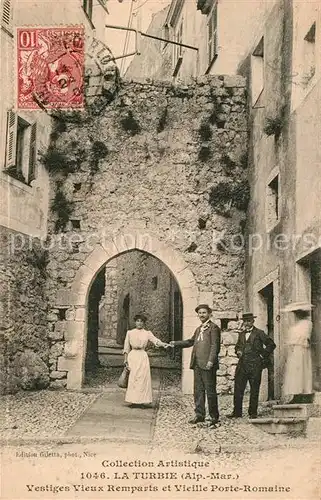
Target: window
{"x": 6, "y": 15}
{"x": 273, "y": 202}
{"x": 257, "y": 71}
{"x": 77, "y": 187}
{"x": 62, "y": 314}
{"x": 309, "y": 56}
{"x": 154, "y": 282}
{"x": 178, "y": 49}
{"x": 166, "y": 32}
{"x": 166, "y": 35}
{"x": 75, "y": 223}
{"x": 212, "y": 35}
{"x": 174, "y": 31}
{"x": 88, "y": 8}
{"x": 21, "y": 150}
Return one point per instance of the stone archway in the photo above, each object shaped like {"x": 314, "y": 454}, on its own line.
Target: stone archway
{"x": 73, "y": 360}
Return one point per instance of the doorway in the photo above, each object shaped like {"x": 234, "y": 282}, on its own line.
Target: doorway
{"x": 266, "y": 313}
{"x": 123, "y": 320}
{"x": 131, "y": 283}
{"x": 175, "y": 318}
{"x": 94, "y": 299}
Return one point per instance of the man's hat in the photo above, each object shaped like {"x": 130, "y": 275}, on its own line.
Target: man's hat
{"x": 248, "y": 315}
{"x": 140, "y": 316}
{"x": 203, "y": 306}
{"x": 298, "y": 306}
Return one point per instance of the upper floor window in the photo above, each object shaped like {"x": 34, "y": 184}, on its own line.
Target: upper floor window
{"x": 154, "y": 282}
{"x": 212, "y": 35}
{"x": 6, "y": 15}
{"x": 174, "y": 32}
{"x": 166, "y": 35}
{"x": 88, "y": 8}
{"x": 257, "y": 71}
{"x": 309, "y": 59}
{"x": 21, "y": 150}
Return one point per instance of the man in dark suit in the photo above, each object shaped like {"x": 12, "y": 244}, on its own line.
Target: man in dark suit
{"x": 253, "y": 348}
{"x": 204, "y": 361}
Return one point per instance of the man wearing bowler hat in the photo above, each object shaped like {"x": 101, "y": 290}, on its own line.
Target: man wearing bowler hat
{"x": 253, "y": 349}
{"x": 204, "y": 361}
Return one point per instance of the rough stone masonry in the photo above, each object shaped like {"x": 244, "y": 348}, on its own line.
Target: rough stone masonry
{"x": 172, "y": 159}
{"x": 24, "y": 342}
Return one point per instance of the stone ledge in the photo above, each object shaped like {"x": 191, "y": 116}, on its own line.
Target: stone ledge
{"x": 276, "y": 425}
{"x": 234, "y": 81}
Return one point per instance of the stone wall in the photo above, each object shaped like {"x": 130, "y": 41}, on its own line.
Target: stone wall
{"x": 172, "y": 163}
{"x": 24, "y": 340}
{"x": 227, "y": 359}
{"x": 108, "y": 308}
{"x": 147, "y": 283}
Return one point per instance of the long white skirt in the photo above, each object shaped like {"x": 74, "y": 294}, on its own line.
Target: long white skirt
{"x": 298, "y": 371}
{"x": 139, "y": 390}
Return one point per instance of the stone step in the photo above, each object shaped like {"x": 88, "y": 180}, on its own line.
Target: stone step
{"x": 290, "y": 411}
{"x": 155, "y": 361}
{"x": 118, "y": 351}
{"x": 276, "y": 425}
{"x": 112, "y": 351}
{"x": 109, "y": 343}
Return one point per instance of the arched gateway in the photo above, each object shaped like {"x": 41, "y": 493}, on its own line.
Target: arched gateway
{"x": 76, "y": 298}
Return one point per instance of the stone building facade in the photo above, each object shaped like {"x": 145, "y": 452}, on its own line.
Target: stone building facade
{"x": 217, "y": 35}
{"x": 24, "y": 195}
{"x": 163, "y": 171}
{"x": 275, "y": 46}
{"x": 284, "y": 260}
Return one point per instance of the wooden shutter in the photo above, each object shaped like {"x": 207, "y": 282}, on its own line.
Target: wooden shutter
{"x": 32, "y": 153}
{"x": 210, "y": 38}
{"x": 11, "y": 143}
{"x": 215, "y": 30}
{"x": 6, "y": 13}
{"x": 212, "y": 34}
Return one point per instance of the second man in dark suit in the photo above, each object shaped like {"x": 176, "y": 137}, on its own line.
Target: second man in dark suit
{"x": 204, "y": 361}
{"x": 253, "y": 348}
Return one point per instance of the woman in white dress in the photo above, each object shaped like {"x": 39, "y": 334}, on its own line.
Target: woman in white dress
{"x": 298, "y": 367}
{"x": 139, "y": 390}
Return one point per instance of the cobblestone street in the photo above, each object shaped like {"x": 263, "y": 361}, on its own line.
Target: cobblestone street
{"x": 56, "y": 425}
{"x": 46, "y": 415}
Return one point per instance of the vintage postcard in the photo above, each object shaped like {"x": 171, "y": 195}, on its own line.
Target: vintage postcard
{"x": 160, "y": 249}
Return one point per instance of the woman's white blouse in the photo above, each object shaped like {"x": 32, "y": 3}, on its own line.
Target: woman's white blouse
{"x": 138, "y": 339}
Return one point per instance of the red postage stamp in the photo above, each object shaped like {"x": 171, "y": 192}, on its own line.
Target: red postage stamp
{"x": 50, "y": 67}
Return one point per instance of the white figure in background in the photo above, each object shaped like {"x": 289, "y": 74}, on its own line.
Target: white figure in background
{"x": 298, "y": 365}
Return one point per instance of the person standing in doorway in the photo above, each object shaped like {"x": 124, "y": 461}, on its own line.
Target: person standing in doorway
{"x": 298, "y": 365}
{"x": 253, "y": 349}
{"x": 206, "y": 343}
{"x": 139, "y": 390}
